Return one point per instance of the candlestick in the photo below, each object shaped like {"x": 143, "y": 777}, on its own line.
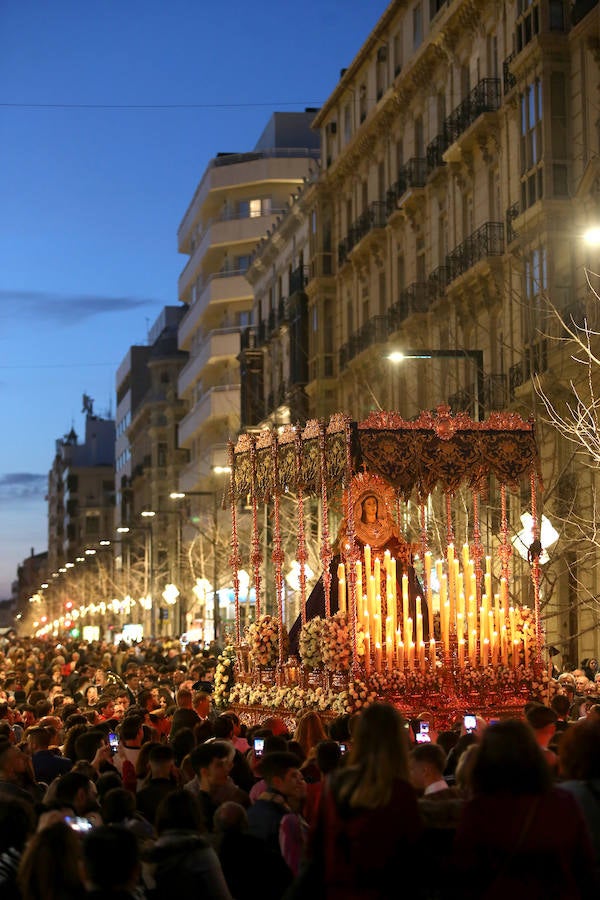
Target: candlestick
{"x": 411, "y": 656}
{"x": 404, "y": 600}
{"x": 428, "y": 561}
{"x": 342, "y": 595}
{"x": 526, "y": 643}
{"x": 377, "y": 628}
{"x": 504, "y": 643}
{"x": 432, "y": 655}
{"x": 400, "y": 650}
{"x": 461, "y": 653}
{"x": 367, "y": 654}
{"x": 495, "y": 643}
{"x": 485, "y": 649}
{"x": 473, "y": 648}
{"x": 359, "y": 592}
{"x": 422, "y": 656}
{"x": 378, "y": 658}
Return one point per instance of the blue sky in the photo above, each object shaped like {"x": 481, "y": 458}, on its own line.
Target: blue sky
{"x": 92, "y": 193}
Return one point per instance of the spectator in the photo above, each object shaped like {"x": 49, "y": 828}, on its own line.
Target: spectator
{"x": 184, "y": 864}
{"x": 211, "y": 784}
{"x": 17, "y": 822}
{"x": 47, "y": 764}
{"x": 328, "y": 757}
{"x": 244, "y": 857}
{"x": 542, "y": 720}
{"x": 369, "y": 826}
{"x": 185, "y": 716}
{"x": 579, "y": 756}
{"x": 163, "y": 780}
{"x": 508, "y": 843}
{"x": 111, "y": 863}
{"x": 51, "y": 865}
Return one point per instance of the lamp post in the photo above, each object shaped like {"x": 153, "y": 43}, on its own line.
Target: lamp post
{"x": 182, "y": 495}
{"x": 476, "y": 356}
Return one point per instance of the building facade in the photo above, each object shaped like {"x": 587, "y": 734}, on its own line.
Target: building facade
{"x": 459, "y": 172}
{"x": 238, "y": 201}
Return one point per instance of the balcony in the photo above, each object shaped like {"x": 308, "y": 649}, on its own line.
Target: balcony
{"x": 508, "y": 79}
{"x": 412, "y": 175}
{"x": 221, "y": 287}
{"x": 374, "y": 331}
{"x": 535, "y": 361}
{"x": 484, "y": 98}
{"x": 413, "y": 299}
{"x": 216, "y": 402}
{"x": 222, "y": 343}
{"x": 321, "y": 265}
{"x": 463, "y": 401}
{"x": 495, "y": 392}
{"x": 511, "y": 214}
{"x": 299, "y": 279}
{"x": 374, "y": 217}
{"x": 487, "y": 241}
{"x": 437, "y": 282}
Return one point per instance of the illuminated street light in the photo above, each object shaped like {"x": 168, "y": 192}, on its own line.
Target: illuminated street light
{"x": 147, "y": 513}
{"x": 397, "y": 356}
{"x": 592, "y": 236}
{"x": 523, "y": 540}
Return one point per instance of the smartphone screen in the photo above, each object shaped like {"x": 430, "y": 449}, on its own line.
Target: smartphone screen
{"x": 77, "y": 823}
{"x": 470, "y": 722}
{"x": 424, "y": 727}
{"x": 422, "y": 738}
{"x": 259, "y": 746}
{"x": 343, "y": 748}
{"x": 113, "y": 740}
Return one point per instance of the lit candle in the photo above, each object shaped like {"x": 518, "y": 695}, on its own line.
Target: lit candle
{"x": 473, "y": 648}
{"x": 460, "y": 625}
{"x": 372, "y": 595}
{"x": 504, "y": 643}
{"x": 367, "y": 654}
{"x": 515, "y": 652}
{"x": 422, "y": 656}
{"x": 378, "y": 658}
{"x": 466, "y": 555}
{"x": 494, "y": 648}
{"x": 504, "y": 596}
{"x": 389, "y": 643}
{"x": 404, "y": 600}
{"x": 513, "y": 623}
{"x": 342, "y": 596}
{"x": 411, "y": 656}
{"x": 359, "y": 591}
{"x": 461, "y": 653}
{"x": 482, "y": 623}
{"x": 490, "y": 626}
{"x": 367, "y": 554}
{"x": 409, "y": 632}
{"x": 428, "y": 561}
{"x": 447, "y": 626}
{"x": 419, "y": 620}
{"x": 377, "y": 628}
{"x": 497, "y": 614}
{"x": 485, "y": 650}
{"x": 432, "y": 655}
{"x": 400, "y": 649}
{"x": 387, "y": 558}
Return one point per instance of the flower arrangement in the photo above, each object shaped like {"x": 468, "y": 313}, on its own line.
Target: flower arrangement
{"x": 224, "y": 676}
{"x": 336, "y": 646}
{"x": 263, "y": 640}
{"x": 309, "y": 644}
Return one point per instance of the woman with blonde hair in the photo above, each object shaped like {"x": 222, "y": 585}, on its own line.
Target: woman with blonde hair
{"x": 309, "y": 732}
{"x": 365, "y": 841}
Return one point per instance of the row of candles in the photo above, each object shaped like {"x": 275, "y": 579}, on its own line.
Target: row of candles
{"x": 484, "y": 633}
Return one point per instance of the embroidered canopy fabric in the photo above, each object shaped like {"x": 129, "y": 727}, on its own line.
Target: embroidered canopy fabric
{"x": 436, "y": 450}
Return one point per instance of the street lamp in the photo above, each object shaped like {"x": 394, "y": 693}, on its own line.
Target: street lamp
{"x": 182, "y": 495}
{"x": 397, "y": 356}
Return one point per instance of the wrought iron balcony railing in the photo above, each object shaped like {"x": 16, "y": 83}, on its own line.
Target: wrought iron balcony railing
{"x": 374, "y": 331}
{"x": 438, "y": 281}
{"x": 413, "y": 299}
{"x": 509, "y": 80}
{"x": 495, "y": 394}
{"x": 485, "y": 97}
{"x": 488, "y": 240}
{"x": 511, "y": 214}
{"x": 535, "y": 360}
{"x": 299, "y": 279}
{"x": 411, "y": 175}
{"x": 374, "y": 216}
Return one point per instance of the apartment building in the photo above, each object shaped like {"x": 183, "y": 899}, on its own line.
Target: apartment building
{"x": 239, "y": 200}
{"x": 459, "y": 172}
{"x": 81, "y": 489}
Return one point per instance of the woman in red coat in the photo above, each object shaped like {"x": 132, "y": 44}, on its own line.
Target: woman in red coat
{"x": 368, "y": 827}
{"x": 520, "y": 837}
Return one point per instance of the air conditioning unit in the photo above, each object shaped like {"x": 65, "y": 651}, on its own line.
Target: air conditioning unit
{"x": 382, "y": 53}
{"x": 331, "y": 128}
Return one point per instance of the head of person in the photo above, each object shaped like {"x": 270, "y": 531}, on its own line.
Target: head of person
{"x": 88, "y": 743}
{"x": 230, "y": 818}
{"x": 579, "y": 751}
{"x": 181, "y": 811}
{"x": 427, "y": 764}
{"x": 463, "y": 775}
{"x": 201, "y": 703}
{"x": 328, "y": 756}
{"x": 309, "y": 731}
{"x": 14, "y": 763}
{"x": 74, "y": 790}
{"x": 184, "y": 698}
{"x": 379, "y": 753}
{"x": 37, "y": 738}
{"x": 282, "y": 774}
{"x": 561, "y": 706}
{"x": 370, "y": 509}
{"x": 111, "y": 859}
{"x": 542, "y": 720}
{"x": 161, "y": 760}
{"x": 17, "y": 823}
{"x": 212, "y": 763}
{"x": 131, "y": 730}
{"x": 223, "y": 728}
{"x": 510, "y": 761}
{"x": 51, "y": 864}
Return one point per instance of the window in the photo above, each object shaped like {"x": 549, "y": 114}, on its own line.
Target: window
{"x": 92, "y": 526}
{"x": 559, "y": 129}
{"x": 362, "y": 99}
{"x": 382, "y": 294}
{"x": 531, "y": 144}
{"x": 417, "y": 25}
{"x": 241, "y": 263}
{"x": 255, "y": 209}
{"x": 347, "y": 123}
{"x": 528, "y": 22}
{"x": 419, "y": 142}
{"x": 397, "y": 53}
{"x": 161, "y": 455}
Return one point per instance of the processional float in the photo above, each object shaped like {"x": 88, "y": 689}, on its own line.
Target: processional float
{"x": 468, "y": 640}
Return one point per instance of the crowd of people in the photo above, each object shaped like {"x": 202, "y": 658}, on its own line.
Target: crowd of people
{"x": 119, "y": 778}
